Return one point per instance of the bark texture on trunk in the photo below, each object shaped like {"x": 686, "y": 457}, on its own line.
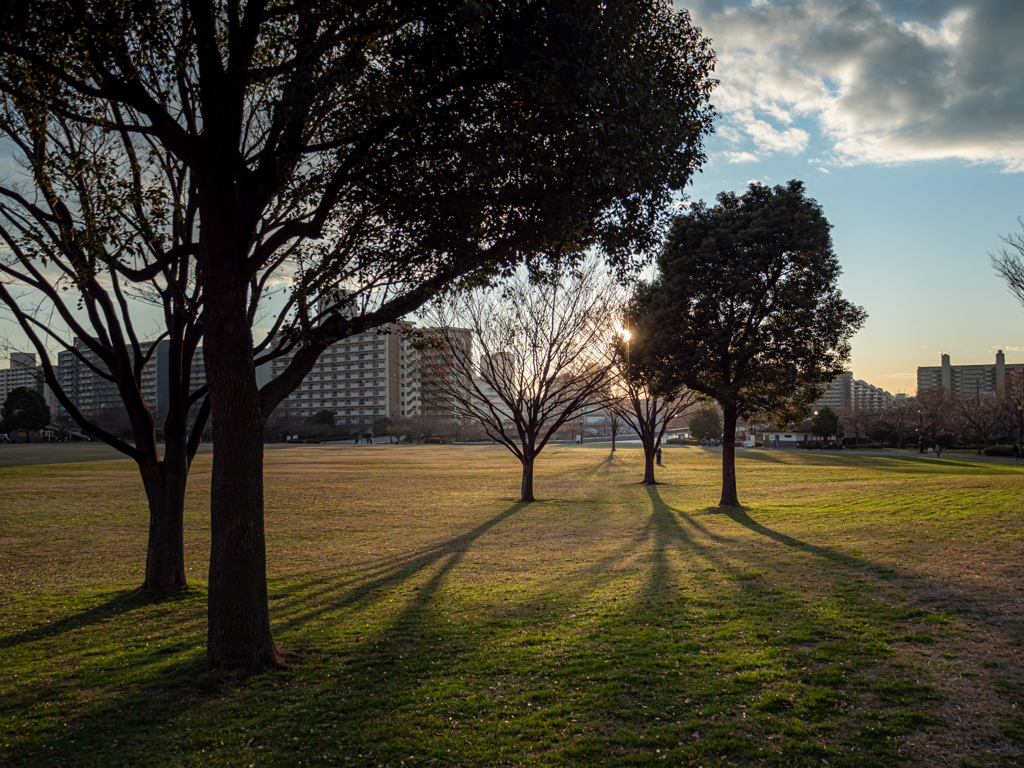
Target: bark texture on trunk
{"x": 649, "y": 467}
{"x": 729, "y": 497}
{"x": 238, "y": 634}
{"x": 165, "y": 552}
{"x": 526, "y": 493}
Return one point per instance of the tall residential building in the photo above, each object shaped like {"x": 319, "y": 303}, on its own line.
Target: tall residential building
{"x": 839, "y": 393}
{"x": 369, "y": 376}
{"x": 357, "y": 378}
{"x": 91, "y": 392}
{"x": 848, "y": 391}
{"x": 869, "y": 398}
{"x": 426, "y": 381}
{"x": 23, "y": 372}
{"x": 966, "y": 380}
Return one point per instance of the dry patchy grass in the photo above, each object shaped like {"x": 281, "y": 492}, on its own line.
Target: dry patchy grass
{"x": 859, "y": 611}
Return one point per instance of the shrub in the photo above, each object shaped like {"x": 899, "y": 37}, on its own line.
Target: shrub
{"x": 999, "y": 450}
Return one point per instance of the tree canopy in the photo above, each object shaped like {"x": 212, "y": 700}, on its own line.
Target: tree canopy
{"x": 706, "y": 421}
{"x": 746, "y": 310}
{"x": 24, "y": 408}
{"x": 373, "y": 154}
{"x": 825, "y": 422}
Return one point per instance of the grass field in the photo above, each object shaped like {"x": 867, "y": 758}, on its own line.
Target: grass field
{"x": 860, "y": 611}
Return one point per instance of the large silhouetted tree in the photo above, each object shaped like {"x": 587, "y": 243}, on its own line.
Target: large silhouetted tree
{"x": 745, "y": 309}
{"x": 376, "y": 152}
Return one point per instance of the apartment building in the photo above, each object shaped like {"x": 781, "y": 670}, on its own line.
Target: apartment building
{"x": 838, "y": 394}
{"x": 23, "y": 372}
{"x": 372, "y": 375}
{"x": 857, "y": 393}
{"x": 426, "y": 381}
{"x": 869, "y": 398}
{"x": 91, "y": 392}
{"x": 358, "y": 378}
{"x": 966, "y": 380}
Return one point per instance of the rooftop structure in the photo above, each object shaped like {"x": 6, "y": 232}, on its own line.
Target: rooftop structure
{"x": 966, "y": 380}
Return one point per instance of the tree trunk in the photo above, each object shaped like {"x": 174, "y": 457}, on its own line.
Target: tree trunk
{"x": 613, "y": 439}
{"x": 649, "y": 466}
{"x": 165, "y": 553}
{"x": 729, "y": 497}
{"x": 527, "y": 490}
{"x": 238, "y": 634}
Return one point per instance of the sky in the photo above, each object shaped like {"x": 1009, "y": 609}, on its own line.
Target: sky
{"x": 905, "y": 121}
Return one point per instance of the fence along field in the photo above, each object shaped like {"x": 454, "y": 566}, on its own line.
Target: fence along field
{"x": 859, "y": 611}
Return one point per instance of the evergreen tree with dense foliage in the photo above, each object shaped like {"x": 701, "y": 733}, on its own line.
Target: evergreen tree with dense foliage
{"x": 706, "y": 422}
{"x": 825, "y": 423}
{"x": 746, "y": 310}
{"x": 26, "y": 409}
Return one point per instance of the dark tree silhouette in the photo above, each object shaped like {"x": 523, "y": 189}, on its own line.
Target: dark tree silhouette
{"x": 24, "y": 408}
{"x": 746, "y": 310}
{"x": 375, "y": 155}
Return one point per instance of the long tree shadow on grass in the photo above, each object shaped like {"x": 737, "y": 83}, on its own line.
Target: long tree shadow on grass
{"x": 117, "y": 604}
{"x": 388, "y": 573}
{"x": 803, "y": 676}
{"x": 105, "y": 696}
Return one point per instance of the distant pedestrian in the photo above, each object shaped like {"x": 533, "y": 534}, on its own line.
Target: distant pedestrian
{"x": 938, "y": 451}
{"x": 657, "y": 455}
{"x": 1016, "y": 451}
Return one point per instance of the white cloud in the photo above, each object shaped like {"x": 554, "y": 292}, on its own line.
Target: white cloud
{"x": 825, "y": 170}
{"x": 791, "y": 140}
{"x": 1011, "y": 349}
{"x": 899, "y": 376}
{"x": 740, "y": 157}
{"x": 886, "y": 81}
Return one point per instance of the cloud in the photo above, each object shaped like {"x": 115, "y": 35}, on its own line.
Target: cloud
{"x": 792, "y": 140}
{"x": 825, "y": 170}
{"x": 741, "y": 157}
{"x": 884, "y": 81}
{"x": 899, "y": 376}
{"x": 1011, "y": 349}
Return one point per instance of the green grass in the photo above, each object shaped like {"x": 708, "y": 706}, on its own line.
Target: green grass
{"x": 859, "y": 611}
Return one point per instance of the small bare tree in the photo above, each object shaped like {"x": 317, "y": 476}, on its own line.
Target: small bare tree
{"x": 900, "y": 417}
{"x": 611, "y": 424}
{"x": 1011, "y": 401}
{"x": 858, "y": 420}
{"x": 641, "y": 405}
{"x": 978, "y": 418}
{"x": 536, "y": 356}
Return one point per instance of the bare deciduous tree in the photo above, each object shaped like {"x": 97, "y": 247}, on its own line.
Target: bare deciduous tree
{"x": 857, "y": 419}
{"x": 978, "y": 418}
{"x": 1011, "y": 405}
{"x": 646, "y": 411}
{"x": 1009, "y": 262}
{"x": 538, "y": 357}
{"x": 900, "y": 416}
{"x": 931, "y": 412}
{"x": 611, "y": 423}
